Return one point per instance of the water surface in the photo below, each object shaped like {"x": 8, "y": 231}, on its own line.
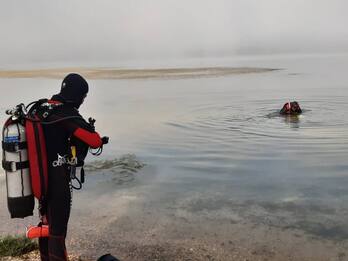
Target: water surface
{"x": 215, "y": 147}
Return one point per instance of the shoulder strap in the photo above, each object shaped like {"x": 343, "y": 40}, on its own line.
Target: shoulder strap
{"x": 42, "y": 108}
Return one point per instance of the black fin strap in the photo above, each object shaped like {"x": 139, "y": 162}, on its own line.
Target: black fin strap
{"x": 82, "y": 175}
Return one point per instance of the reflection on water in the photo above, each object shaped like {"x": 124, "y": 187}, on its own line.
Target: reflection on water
{"x": 292, "y": 120}
{"x": 223, "y": 140}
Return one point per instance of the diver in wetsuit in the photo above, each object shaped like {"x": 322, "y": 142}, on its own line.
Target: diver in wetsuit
{"x": 59, "y": 138}
{"x": 291, "y": 108}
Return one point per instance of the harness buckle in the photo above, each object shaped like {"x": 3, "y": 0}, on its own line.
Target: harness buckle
{"x": 13, "y": 166}
{"x": 16, "y": 147}
{"x": 45, "y": 114}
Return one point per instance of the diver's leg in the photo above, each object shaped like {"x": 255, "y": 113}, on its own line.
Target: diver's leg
{"x": 58, "y": 212}
{"x": 43, "y": 241}
{"x": 43, "y": 247}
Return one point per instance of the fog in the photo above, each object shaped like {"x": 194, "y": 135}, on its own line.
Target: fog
{"x": 114, "y": 30}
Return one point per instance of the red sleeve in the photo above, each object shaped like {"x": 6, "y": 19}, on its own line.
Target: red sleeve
{"x": 90, "y": 138}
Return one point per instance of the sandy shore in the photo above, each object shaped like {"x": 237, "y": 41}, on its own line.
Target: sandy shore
{"x": 105, "y": 73}
{"x": 204, "y": 237}
{"x": 239, "y": 242}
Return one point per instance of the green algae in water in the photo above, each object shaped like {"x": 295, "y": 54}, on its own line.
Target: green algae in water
{"x": 126, "y": 163}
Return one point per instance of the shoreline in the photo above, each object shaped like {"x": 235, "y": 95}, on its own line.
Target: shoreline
{"x": 239, "y": 242}
{"x": 109, "y": 73}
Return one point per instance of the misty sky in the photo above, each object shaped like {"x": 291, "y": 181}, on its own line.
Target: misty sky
{"x": 106, "y": 30}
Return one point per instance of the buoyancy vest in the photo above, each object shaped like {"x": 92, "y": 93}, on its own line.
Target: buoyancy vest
{"x": 37, "y": 158}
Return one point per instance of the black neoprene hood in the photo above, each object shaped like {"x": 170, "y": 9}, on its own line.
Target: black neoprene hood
{"x": 74, "y": 89}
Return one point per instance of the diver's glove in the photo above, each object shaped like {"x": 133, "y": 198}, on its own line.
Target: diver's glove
{"x": 105, "y": 140}
{"x": 91, "y": 122}
{"x": 98, "y": 151}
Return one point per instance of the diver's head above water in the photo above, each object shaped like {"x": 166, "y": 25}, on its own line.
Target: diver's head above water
{"x": 74, "y": 89}
{"x": 291, "y": 108}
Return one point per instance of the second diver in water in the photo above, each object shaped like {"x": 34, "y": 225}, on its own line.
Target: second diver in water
{"x": 291, "y": 108}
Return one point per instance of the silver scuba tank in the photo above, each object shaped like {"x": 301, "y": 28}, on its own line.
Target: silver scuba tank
{"x": 15, "y": 162}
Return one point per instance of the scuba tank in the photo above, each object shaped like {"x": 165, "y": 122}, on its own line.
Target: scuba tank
{"x": 24, "y": 161}
{"x": 15, "y": 162}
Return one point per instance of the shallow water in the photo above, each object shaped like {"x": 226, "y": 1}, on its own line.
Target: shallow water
{"x": 217, "y": 143}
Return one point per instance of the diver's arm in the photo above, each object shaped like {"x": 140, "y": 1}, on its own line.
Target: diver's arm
{"x": 92, "y": 139}
{"x": 79, "y": 128}
{"x": 83, "y": 131}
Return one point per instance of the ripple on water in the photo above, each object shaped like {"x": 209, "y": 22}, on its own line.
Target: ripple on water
{"x": 216, "y": 135}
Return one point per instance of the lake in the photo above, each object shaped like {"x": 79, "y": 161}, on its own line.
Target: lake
{"x": 221, "y": 165}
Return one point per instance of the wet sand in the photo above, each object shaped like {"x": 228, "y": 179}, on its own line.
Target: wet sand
{"x": 239, "y": 242}
{"x": 202, "y": 239}
{"x": 105, "y": 73}
{"x": 137, "y": 232}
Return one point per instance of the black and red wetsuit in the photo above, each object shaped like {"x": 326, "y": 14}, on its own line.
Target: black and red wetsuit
{"x": 58, "y": 139}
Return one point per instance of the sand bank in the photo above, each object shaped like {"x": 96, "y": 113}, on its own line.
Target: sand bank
{"x": 107, "y": 73}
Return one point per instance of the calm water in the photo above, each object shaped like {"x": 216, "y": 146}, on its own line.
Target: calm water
{"x": 218, "y": 142}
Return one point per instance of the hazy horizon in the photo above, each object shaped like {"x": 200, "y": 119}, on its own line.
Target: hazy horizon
{"x": 86, "y": 31}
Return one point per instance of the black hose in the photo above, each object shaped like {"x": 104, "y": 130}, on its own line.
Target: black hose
{"x": 97, "y": 152}
{"x": 59, "y": 120}
{"x": 79, "y": 186}
{"x": 26, "y": 107}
